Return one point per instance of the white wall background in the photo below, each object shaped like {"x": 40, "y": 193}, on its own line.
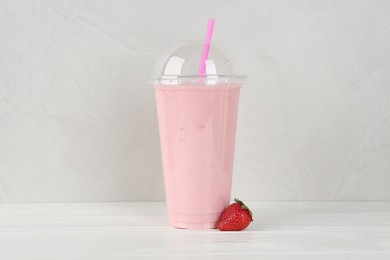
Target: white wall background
{"x": 77, "y": 113}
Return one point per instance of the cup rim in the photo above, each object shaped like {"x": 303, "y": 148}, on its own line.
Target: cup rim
{"x": 213, "y": 79}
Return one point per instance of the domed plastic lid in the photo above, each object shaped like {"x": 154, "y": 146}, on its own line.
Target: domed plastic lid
{"x": 182, "y": 67}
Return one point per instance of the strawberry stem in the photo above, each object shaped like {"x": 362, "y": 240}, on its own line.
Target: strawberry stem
{"x": 243, "y": 206}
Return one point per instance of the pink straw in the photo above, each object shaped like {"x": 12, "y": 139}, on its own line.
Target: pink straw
{"x": 206, "y": 47}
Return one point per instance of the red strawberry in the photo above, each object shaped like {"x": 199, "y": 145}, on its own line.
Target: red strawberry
{"x": 235, "y": 217}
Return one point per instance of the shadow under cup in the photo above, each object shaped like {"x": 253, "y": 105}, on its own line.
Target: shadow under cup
{"x": 197, "y": 119}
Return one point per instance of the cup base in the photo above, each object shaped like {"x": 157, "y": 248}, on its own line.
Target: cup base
{"x": 193, "y": 221}
{"x": 186, "y": 225}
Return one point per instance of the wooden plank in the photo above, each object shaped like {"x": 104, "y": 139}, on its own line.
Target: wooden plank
{"x": 281, "y": 230}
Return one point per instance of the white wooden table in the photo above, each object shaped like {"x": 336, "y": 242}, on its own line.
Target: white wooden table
{"x": 281, "y": 230}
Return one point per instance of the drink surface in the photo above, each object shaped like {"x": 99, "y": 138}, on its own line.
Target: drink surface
{"x": 197, "y": 125}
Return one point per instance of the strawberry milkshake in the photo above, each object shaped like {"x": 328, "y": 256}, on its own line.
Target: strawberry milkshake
{"x": 197, "y": 126}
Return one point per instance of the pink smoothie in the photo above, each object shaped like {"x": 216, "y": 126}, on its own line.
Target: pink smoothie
{"x": 197, "y": 125}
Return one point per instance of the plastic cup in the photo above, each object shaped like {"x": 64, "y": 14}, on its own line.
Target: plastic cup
{"x": 197, "y": 118}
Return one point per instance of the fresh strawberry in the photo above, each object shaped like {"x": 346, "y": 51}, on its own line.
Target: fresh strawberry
{"x": 235, "y": 217}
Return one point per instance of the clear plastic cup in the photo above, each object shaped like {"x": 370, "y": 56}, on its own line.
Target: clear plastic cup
{"x": 197, "y": 119}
